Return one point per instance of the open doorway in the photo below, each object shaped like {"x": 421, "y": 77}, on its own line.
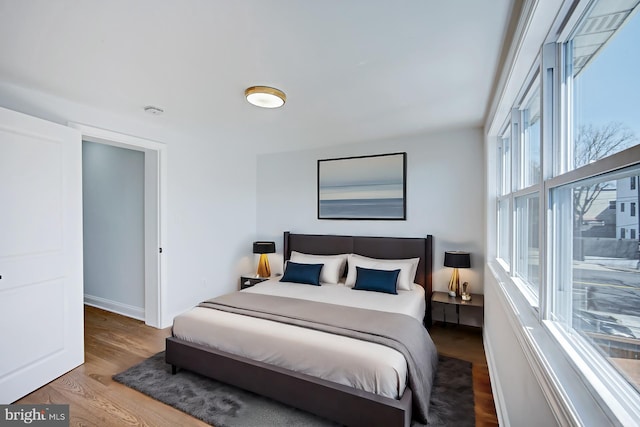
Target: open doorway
{"x": 113, "y": 228}
{"x": 153, "y": 200}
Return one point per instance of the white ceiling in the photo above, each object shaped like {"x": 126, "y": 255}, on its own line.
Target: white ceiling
{"x": 353, "y": 70}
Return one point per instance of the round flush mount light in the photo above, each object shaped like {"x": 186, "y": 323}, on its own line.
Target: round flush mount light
{"x": 265, "y": 96}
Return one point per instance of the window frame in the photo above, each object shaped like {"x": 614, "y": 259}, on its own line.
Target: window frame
{"x": 605, "y": 382}
{"x": 553, "y": 69}
{"x": 505, "y": 196}
{"x": 531, "y": 291}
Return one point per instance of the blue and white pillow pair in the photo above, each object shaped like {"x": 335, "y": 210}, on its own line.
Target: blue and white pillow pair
{"x": 406, "y": 275}
{"x": 373, "y": 274}
{"x": 313, "y": 269}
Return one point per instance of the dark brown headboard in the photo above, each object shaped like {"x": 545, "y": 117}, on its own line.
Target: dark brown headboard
{"x": 374, "y": 247}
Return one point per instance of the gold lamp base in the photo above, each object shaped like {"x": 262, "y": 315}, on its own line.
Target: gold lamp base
{"x": 263, "y": 266}
{"x": 454, "y": 284}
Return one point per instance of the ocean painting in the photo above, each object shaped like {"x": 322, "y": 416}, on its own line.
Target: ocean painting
{"x": 368, "y": 187}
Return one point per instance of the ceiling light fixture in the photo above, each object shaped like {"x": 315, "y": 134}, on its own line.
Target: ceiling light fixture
{"x": 265, "y": 97}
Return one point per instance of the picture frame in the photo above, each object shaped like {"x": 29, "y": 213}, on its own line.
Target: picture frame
{"x": 369, "y": 187}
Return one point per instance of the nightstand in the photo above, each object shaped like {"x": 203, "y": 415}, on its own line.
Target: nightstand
{"x": 477, "y": 300}
{"x": 249, "y": 281}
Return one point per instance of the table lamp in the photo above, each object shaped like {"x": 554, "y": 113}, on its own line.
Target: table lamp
{"x": 456, "y": 259}
{"x": 264, "y": 248}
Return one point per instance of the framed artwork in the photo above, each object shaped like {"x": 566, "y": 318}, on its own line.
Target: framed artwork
{"x": 365, "y": 188}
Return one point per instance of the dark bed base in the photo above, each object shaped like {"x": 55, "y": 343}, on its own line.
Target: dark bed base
{"x": 337, "y": 402}
{"x": 333, "y": 401}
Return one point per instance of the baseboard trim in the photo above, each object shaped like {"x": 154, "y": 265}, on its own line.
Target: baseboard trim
{"x": 496, "y": 385}
{"x": 115, "y": 307}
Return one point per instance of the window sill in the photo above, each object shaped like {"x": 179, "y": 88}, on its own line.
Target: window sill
{"x": 526, "y": 291}
{"x": 611, "y": 389}
{"x": 566, "y": 388}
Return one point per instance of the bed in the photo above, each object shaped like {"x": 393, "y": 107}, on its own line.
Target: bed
{"x": 344, "y": 402}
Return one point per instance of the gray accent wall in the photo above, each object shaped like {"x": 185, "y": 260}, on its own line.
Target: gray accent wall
{"x": 113, "y": 205}
{"x": 445, "y": 178}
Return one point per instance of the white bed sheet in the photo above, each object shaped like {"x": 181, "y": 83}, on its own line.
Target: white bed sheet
{"x": 360, "y": 364}
{"x": 411, "y": 303}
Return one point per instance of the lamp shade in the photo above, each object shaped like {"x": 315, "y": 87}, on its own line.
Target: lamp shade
{"x": 457, "y": 259}
{"x": 264, "y": 247}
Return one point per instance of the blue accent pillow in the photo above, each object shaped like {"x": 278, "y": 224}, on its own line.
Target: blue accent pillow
{"x": 368, "y": 279}
{"x": 308, "y": 274}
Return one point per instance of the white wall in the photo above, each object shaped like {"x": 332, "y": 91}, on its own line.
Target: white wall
{"x": 113, "y": 227}
{"x": 211, "y": 192}
{"x": 444, "y": 198}
{"x": 516, "y": 389}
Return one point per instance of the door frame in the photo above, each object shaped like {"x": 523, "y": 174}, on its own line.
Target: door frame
{"x": 155, "y": 202}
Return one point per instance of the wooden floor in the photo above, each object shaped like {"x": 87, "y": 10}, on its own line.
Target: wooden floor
{"x": 113, "y": 343}
{"x": 465, "y": 343}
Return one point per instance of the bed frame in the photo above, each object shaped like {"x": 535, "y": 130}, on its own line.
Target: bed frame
{"x": 330, "y": 400}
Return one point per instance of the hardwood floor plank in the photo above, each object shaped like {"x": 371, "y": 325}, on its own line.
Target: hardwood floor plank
{"x": 114, "y": 343}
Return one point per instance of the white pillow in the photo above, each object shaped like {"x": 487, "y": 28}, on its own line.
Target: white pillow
{"x": 407, "y": 267}
{"x": 333, "y": 267}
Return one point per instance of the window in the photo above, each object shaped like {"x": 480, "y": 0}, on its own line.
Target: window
{"x": 505, "y": 164}
{"x": 527, "y": 243}
{"x": 530, "y": 140}
{"x": 599, "y": 306}
{"x": 503, "y": 231}
{"x": 572, "y": 237}
{"x": 605, "y": 114}
{"x": 601, "y": 309}
{"x": 504, "y": 188}
{"x": 519, "y": 205}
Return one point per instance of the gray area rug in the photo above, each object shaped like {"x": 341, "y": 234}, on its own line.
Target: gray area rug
{"x": 227, "y": 406}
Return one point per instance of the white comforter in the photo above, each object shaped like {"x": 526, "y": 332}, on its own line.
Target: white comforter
{"x": 359, "y": 364}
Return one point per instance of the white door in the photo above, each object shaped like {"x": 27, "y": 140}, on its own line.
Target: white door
{"x": 41, "y": 306}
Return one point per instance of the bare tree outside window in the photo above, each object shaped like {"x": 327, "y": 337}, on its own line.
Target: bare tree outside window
{"x": 594, "y": 143}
